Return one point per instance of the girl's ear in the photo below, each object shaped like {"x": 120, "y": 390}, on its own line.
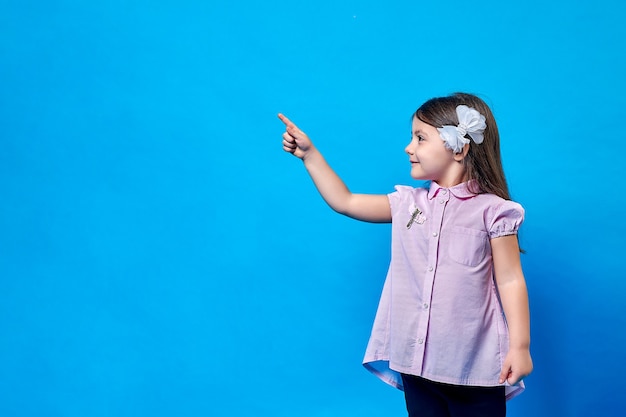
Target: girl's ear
{"x": 461, "y": 155}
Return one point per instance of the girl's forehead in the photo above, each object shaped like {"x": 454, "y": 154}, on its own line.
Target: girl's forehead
{"x": 425, "y": 127}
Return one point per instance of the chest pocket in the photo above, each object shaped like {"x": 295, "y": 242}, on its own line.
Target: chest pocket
{"x": 468, "y": 246}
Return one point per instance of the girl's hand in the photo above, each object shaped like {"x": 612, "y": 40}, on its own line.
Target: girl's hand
{"x": 295, "y": 141}
{"x": 517, "y": 365}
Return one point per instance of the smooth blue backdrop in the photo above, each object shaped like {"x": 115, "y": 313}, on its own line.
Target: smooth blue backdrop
{"x": 160, "y": 255}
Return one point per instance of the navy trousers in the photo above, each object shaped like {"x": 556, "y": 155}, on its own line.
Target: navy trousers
{"x": 426, "y": 398}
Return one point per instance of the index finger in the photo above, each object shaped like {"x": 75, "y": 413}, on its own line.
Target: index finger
{"x": 287, "y": 122}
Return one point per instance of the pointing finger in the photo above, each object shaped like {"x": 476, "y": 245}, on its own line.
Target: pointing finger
{"x": 288, "y": 123}
{"x": 285, "y": 120}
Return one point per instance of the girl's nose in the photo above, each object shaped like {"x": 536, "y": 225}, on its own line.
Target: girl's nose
{"x": 409, "y": 149}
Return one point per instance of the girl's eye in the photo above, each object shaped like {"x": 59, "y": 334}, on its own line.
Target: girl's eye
{"x": 419, "y": 138}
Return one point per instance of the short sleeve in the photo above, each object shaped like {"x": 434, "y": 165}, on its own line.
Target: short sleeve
{"x": 402, "y": 192}
{"x": 404, "y": 198}
{"x": 506, "y": 218}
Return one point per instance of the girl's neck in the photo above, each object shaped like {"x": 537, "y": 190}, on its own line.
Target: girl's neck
{"x": 452, "y": 180}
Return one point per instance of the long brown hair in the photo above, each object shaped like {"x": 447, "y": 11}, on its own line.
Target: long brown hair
{"x": 483, "y": 162}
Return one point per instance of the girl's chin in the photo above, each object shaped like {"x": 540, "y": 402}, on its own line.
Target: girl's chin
{"x": 418, "y": 175}
{"x": 422, "y": 177}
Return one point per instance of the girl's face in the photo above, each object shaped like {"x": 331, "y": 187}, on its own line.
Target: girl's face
{"x": 430, "y": 159}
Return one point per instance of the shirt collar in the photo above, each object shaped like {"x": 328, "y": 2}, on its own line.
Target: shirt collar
{"x": 459, "y": 191}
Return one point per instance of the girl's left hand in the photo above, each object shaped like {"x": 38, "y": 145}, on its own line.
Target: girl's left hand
{"x": 517, "y": 365}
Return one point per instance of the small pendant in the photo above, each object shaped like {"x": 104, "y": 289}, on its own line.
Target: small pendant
{"x": 416, "y": 217}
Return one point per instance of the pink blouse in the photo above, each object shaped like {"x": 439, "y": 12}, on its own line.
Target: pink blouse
{"x": 440, "y": 315}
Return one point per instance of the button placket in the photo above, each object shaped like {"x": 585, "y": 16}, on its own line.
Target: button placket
{"x": 438, "y": 207}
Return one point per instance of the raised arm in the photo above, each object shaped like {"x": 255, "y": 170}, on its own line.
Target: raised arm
{"x": 514, "y": 295}
{"x": 366, "y": 207}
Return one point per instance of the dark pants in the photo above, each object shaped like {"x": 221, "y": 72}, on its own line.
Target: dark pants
{"x": 426, "y": 398}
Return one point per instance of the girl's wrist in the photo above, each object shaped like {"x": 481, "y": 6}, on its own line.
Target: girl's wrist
{"x": 519, "y": 346}
{"x": 309, "y": 154}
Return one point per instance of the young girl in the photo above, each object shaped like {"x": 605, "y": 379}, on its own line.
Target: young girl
{"x": 440, "y": 333}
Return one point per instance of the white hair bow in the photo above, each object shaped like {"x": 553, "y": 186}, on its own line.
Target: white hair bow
{"x": 471, "y": 123}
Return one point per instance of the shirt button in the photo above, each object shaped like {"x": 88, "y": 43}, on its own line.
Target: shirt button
{"x": 430, "y": 269}
{"x": 435, "y": 234}
{"x": 425, "y": 306}
{"x": 420, "y": 341}
{"x": 442, "y": 201}
{"x": 444, "y": 191}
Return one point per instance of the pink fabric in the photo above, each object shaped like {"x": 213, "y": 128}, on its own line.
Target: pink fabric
{"x": 439, "y": 315}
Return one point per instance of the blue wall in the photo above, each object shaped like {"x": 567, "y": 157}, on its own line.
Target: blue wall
{"x": 161, "y": 255}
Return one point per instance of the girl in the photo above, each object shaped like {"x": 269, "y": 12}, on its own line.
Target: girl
{"x": 440, "y": 332}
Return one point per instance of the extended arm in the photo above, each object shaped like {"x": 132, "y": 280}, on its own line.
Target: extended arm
{"x": 366, "y": 207}
{"x": 514, "y": 295}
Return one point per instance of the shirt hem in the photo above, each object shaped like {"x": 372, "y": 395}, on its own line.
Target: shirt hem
{"x": 390, "y": 374}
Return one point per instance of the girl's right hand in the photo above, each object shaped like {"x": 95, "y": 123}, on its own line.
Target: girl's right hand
{"x": 366, "y": 207}
{"x": 295, "y": 141}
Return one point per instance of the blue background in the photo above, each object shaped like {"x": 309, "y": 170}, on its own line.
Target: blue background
{"x": 161, "y": 255}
